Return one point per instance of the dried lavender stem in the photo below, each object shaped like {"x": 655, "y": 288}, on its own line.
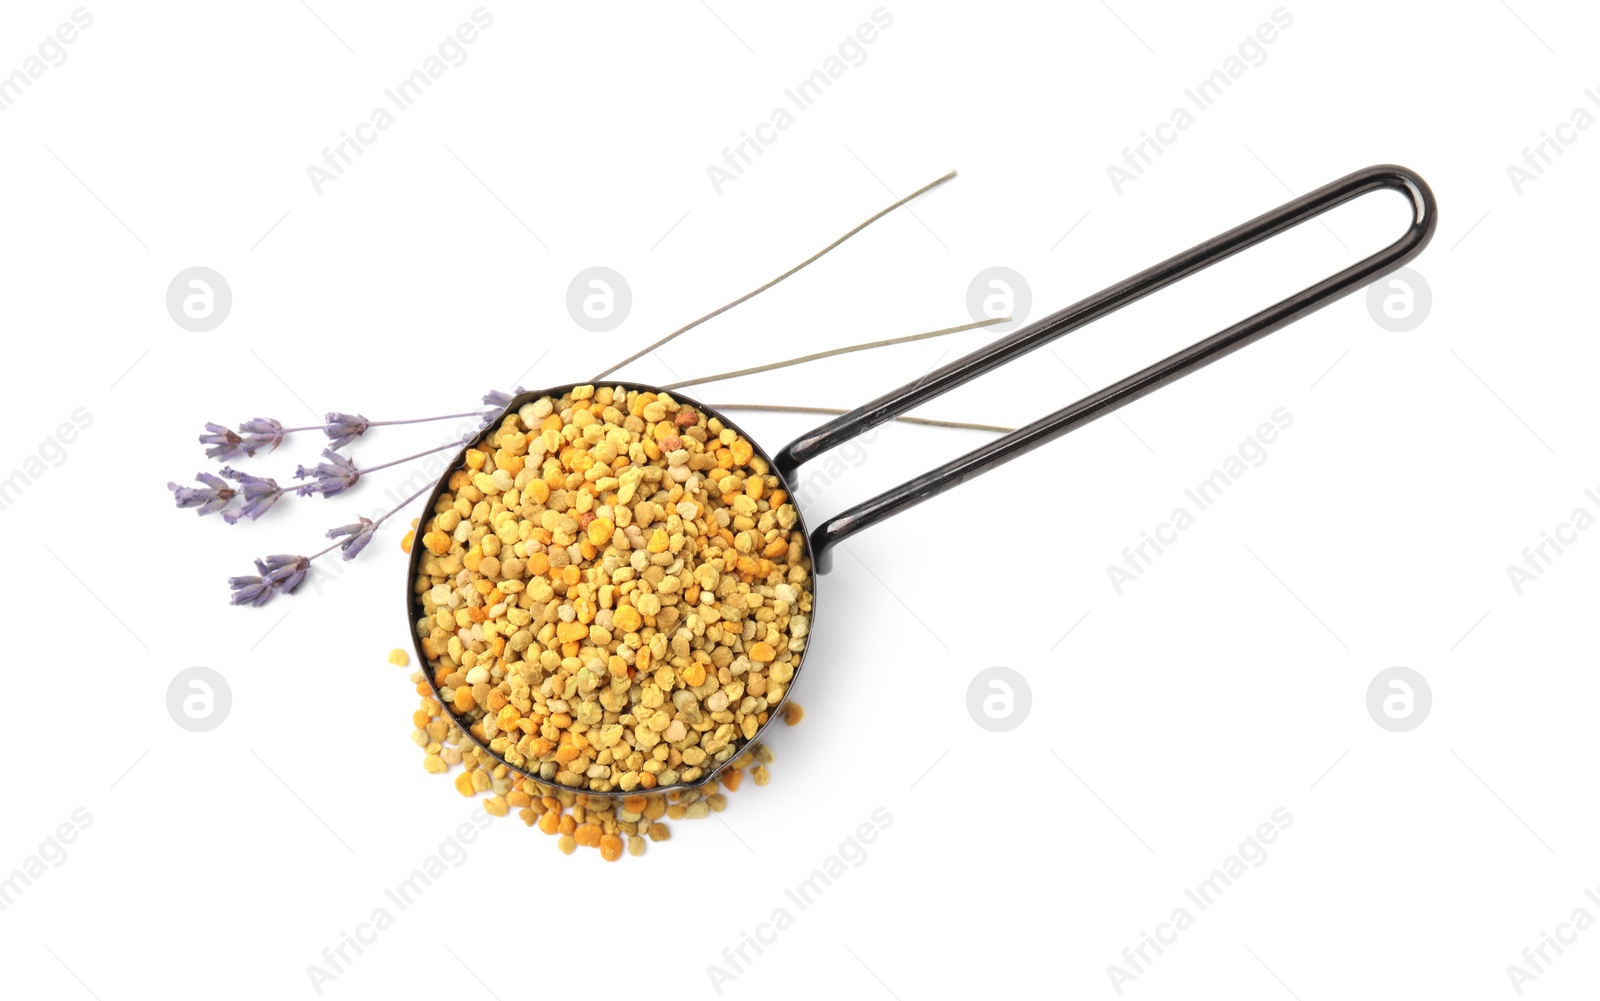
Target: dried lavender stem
{"x": 924, "y": 421}
{"x": 868, "y": 346}
{"x": 396, "y": 462}
{"x": 400, "y": 506}
{"x": 750, "y": 295}
{"x": 376, "y": 521}
{"x": 324, "y": 552}
{"x": 381, "y": 424}
{"x": 424, "y": 420}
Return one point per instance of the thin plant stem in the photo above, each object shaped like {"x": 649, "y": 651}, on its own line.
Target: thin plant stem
{"x": 868, "y": 346}
{"x": 749, "y": 295}
{"x": 424, "y": 420}
{"x": 384, "y": 424}
{"x": 377, "y": 521}
{"x": 449, "y": 444}
{"x": 835, "y": 411}
{"x": 401, "y": 506}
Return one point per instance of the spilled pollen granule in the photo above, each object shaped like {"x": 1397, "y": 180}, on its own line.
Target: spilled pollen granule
{"x": 613, "y": 826}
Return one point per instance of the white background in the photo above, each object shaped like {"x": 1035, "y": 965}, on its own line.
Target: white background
{"x": 1228, "y": 681}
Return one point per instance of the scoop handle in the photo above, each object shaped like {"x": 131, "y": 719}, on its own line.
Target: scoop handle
{"x": 1025, "y": 439}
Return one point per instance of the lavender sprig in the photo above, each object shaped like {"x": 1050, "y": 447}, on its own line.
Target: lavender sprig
{"x": 261, "y": 432}
{"x": 252, "y": 436}
{"x": 499, "y": 399}
{"x": 260, "y": 493}
{"x": 210, "y": 498}
{"x": 339, "y": 473}
{"x": 355, "y": 536}
{"x": 277, "y": 575}
{"x": 225, "y": 442}
{"x": 284, "y": 573}
{"x": 250, "y": 590}
{"x": 334, "y": 476}
{"x": 341, "y": 429}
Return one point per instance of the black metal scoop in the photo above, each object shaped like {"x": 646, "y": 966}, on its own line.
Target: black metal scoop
{"x": 841, "y": 429}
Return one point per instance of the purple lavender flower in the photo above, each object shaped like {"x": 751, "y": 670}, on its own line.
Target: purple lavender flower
{"x": 262, "y": 432}
{"x": 260, "y": 493}
{"x": 252, "y": 436}
{"x": 342, "y": 429}
{"x": 274, "y": 575}
{"x": 225, "y": 442}
{"x": 499, "y": 399}
{"x": 249, "y": 590}
{"x": 283, "y": 573}
{"x": 335, "y": 476}
{"x": 277, "y": 575}
{"x": 355, "y": 536}
{"x": 210, "y": 498}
